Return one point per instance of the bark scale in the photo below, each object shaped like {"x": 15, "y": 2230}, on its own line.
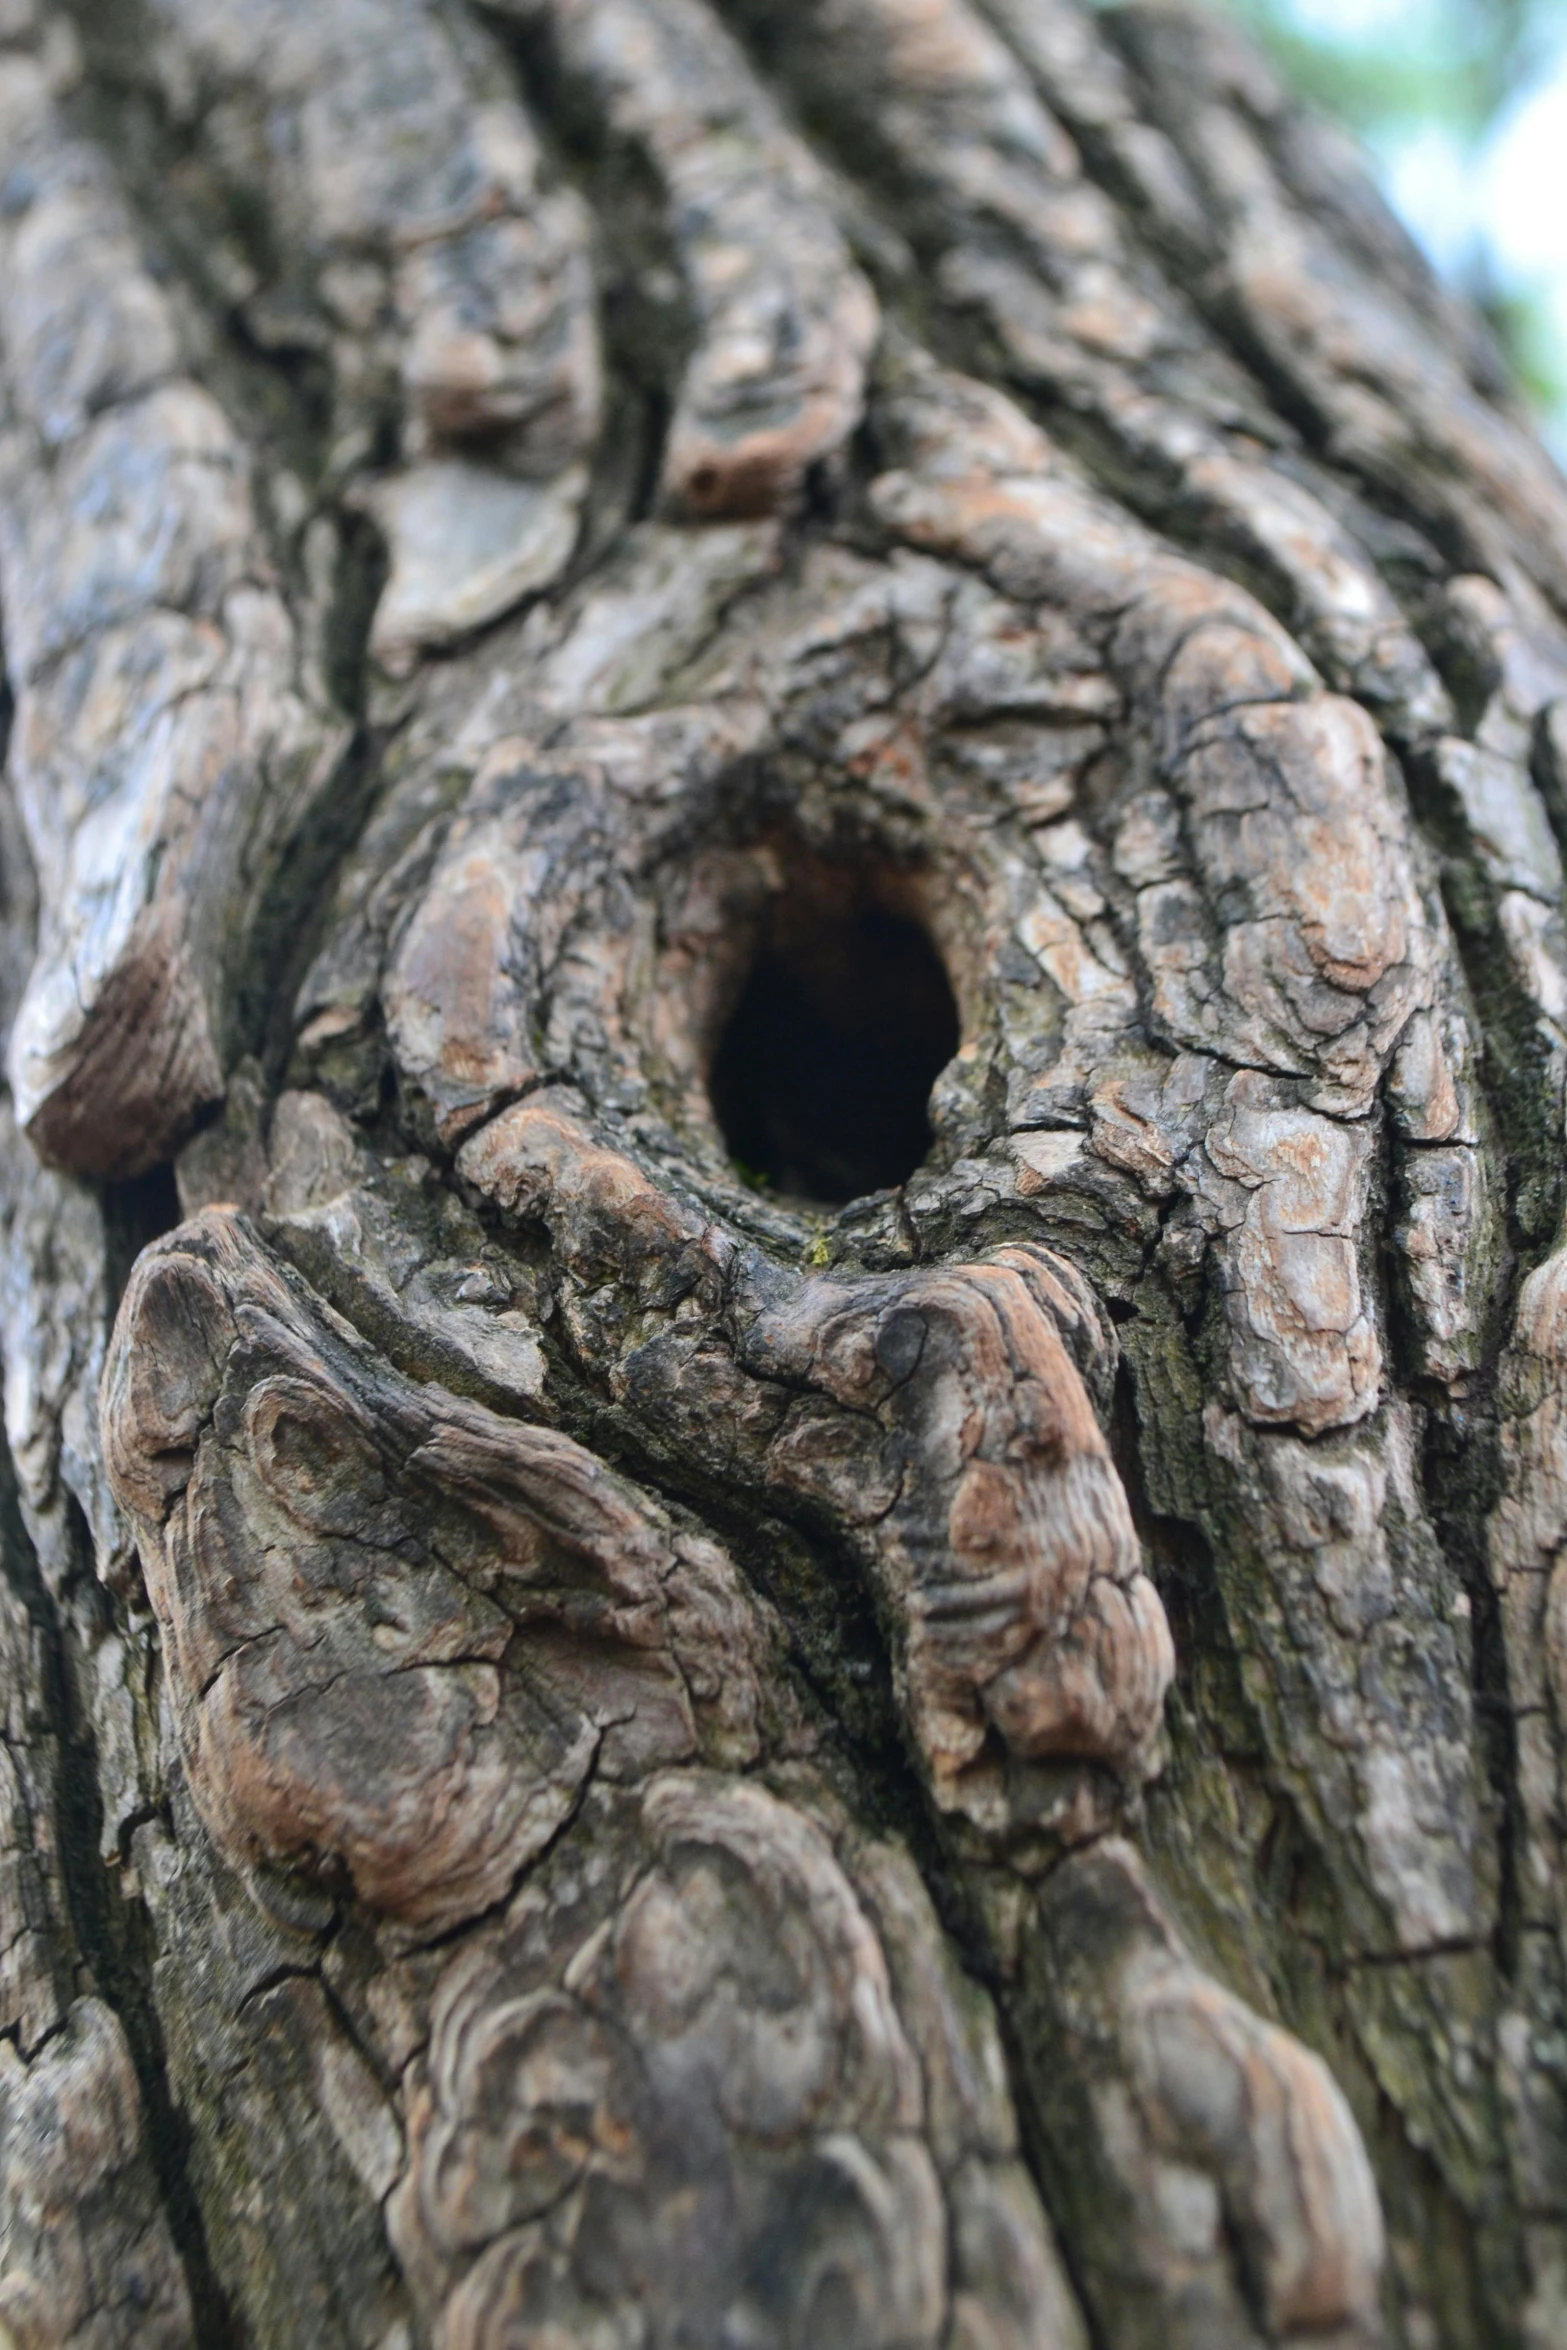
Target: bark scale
{"x": 657, "y": 1692}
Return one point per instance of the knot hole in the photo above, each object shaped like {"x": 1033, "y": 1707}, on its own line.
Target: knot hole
{"x": 843, "y": 1021}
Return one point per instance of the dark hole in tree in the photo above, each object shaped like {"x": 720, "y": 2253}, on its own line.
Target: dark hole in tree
{"x": 822, "y": 1077}
{"x": 136, "y": 1211}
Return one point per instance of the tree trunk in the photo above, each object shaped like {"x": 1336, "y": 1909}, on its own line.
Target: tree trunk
{"x": 785, "y": 1346}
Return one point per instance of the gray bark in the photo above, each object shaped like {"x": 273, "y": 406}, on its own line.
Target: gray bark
{"x": 632, "y": 1722}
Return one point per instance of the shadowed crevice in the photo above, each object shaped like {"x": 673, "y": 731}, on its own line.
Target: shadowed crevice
{"x": 821, "y": 1082}
{"x": 111, "y": 1937}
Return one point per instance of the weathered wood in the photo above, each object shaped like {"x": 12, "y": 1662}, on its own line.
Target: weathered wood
{"x": 598, "y": 1751}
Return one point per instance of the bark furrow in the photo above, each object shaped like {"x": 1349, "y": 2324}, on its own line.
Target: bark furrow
{"x": 787, "y": 1004}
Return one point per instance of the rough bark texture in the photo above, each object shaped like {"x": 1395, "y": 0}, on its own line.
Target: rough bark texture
{"x": 603, "y": 1754}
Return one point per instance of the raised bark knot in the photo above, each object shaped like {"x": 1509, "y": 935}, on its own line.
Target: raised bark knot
{"x": 332, "y": 1550}
{"x": 402, "y": 1631}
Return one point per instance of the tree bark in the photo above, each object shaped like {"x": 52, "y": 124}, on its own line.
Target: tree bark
{"x": 660, "y": 1694}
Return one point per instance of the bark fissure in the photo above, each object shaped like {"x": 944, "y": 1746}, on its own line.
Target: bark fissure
{"x": 647, "y": 1782}
{"x": 106, "y": 1942}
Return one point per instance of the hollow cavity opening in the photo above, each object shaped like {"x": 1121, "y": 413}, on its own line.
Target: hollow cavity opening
{"x": 821, "y": 1081}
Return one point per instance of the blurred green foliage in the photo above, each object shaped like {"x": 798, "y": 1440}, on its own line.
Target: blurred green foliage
{"x": 1393, "y": 69}
{"x": 1521, "y": 322}
{"x": 1455, "y": 62}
